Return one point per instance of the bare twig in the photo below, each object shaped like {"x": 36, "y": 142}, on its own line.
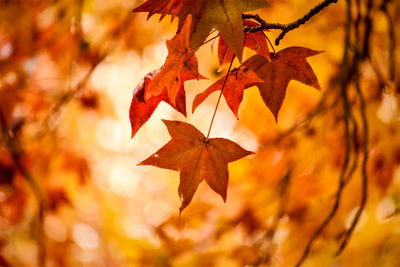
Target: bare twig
{"x": 15, "y": 150}
{"x": 392, "y": 39}
{"x": 359, "y": 56}
{"x": 363, "y": 170}
{"x": 286, "y": 27}
{"x": 344, "y": 79}
{"x": 270, "y": 235}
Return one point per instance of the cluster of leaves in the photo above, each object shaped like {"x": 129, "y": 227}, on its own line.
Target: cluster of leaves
{"x": 70, "y": 196}
{"x": 196, "y": 156}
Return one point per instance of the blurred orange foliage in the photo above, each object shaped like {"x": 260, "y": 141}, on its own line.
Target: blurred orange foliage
{"x": 72, "y": 195}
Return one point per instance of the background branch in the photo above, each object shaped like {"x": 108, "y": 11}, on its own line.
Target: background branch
{"x": 285, "y": 27}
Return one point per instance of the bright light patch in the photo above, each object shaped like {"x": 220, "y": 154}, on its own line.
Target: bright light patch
{"x": 55, "y": 228}
{"x": 388, "y": 110}
{"x": 85, "y": 236}
{"x": 6, "y": 50}
{"x": 384, "y": 209}
{"x": 156, "y": 212}
{"x": 122, "y": 179}
{"x": 87, "y": 22}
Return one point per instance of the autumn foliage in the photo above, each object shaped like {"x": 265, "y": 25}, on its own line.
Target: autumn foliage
{"x": 274, "y": 127}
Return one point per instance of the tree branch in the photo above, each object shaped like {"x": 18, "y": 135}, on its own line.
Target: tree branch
{"x": 15, "y": 150}
{"x": 285, "y": 27}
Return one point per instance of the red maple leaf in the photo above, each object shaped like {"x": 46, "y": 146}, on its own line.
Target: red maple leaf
{"x": 141, "y": 109}
{"x": 197, "y": 159}
{"x": 180, "y": 59}
{"x": 288, "y": 64}
{"x": 237, "y": 81}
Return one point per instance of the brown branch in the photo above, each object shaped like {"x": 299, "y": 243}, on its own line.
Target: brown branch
{"x": 360, "y": 56}
{"x": 392, "y": 40}
{"x": 15, "y": 150}
{"x": 286, "y": 27}
{"x": 270, "y": 235}
{"x": 363, "y": 170}
{"x": 345, "y": 78}
{"x": 72, "y": 92}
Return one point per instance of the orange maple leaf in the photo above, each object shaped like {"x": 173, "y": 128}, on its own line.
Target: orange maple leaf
{"x": 238, "y": 80}
{"x": 197, "y": 159}
{"x": 288, "y": 64}
{"x": 180, "y": 59}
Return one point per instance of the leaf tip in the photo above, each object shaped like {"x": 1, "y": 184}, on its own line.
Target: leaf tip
{"x": 166, "y": 122}
{"x": 140, "y": 163}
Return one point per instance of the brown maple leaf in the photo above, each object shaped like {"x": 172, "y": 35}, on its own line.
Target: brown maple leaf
{"x": 197, "y": 159}
{"x": 180, "y": 59}
{"x": 288, "y": 64}
{"x": 141, "y": 110}
{"x": 223, "y": 15}
{"x": 253, "y": 40}
{"x": 237, "y": 81}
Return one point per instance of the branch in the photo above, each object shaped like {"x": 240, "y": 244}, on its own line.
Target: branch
{"x": 286, "y": 27}
{"x": 363, "y": 170}
{"x": 271, "y": 233}
{"x": 345, "y": 79}
{"x": 361, "y": 55}
{"x": 15, "y": 150}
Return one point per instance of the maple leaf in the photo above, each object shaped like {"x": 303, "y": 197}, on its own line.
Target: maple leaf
{"x": 197, "y": 159}
{"x": 223, "y": 15}
{"x": 180, "y": 59}
{"x": 288, "y": 64}
{"x": 253, "y": 40}
{"x": 238, "y": 79}
{"x": 141, "y": 110}
{"x": 162, "y": 7}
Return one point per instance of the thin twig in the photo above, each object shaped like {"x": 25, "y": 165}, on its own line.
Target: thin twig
{"x": 15, "y": 150}
{"x": 392, "y": 40}
{"x": 344, "y": 79}
{"x": 363, "y": 171}
{"x": 359, "y": 56}
{"x": 286, "y": 27}
{"x": 270, "y": 235}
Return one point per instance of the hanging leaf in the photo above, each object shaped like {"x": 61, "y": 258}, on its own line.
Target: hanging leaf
{"x": 288, "y": 64}
{"x": 237, "y": 81}
{"x": 197, "y": 159}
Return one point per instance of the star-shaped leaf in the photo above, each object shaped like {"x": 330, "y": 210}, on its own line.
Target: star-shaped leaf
{"x": 180, "y": 59}
{"x": 223, "y": 15}
{"x": 288, "y": 64}
{"x": 238, "y": 80}
{"x": 141, "y": 109}
{"x": 197, "y": 159}
{"x": 226, "y": 17}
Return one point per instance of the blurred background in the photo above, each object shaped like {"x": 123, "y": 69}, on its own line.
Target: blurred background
{"x": 72, "y": 195}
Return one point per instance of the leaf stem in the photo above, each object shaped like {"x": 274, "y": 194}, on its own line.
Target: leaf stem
{"x": 273, "y": 48}
{"x": 193, "y": 49}
{"x": 209, "y": 40}
{"x": 219, "y": 98}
